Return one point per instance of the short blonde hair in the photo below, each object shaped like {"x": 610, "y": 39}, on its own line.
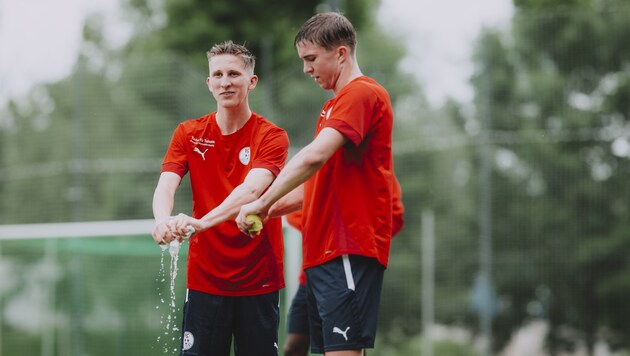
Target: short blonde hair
{"x": 229, "y": 47}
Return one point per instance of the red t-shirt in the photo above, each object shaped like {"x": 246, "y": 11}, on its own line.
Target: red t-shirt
{"x": 348, "y": 202}
{"x": 295, "y": 219}
{"x": 222, "y": 260}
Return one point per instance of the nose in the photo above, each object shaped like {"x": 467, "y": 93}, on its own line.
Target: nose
{"x": 307, "y": 68}
{"x": 225, "y": 81}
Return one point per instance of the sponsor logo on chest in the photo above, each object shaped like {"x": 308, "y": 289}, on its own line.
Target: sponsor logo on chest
{"x": 201, "y": 146}
{"x": 202, "y": 142}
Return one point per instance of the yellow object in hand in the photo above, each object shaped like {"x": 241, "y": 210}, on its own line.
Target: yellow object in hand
{"x": 256, "y": 226}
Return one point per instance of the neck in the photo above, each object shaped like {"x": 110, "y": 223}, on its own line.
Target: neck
{"x": 231, "y": 120}
{"x": 352, "y": 73}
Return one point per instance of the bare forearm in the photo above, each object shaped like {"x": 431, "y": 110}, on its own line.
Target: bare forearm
{"x": 162, "y": 205}
{"x": 163, "y": 201}
{"x": 297, "y": 171}
{"x": 229, "y": 208}
{"x": 288, "y": 203}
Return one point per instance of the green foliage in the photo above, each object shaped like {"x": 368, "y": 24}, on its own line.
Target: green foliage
{"x": 558, "y": 208}
{"x": 193, "y": 26}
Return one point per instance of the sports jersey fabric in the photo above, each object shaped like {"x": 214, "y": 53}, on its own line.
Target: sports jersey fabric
{"x": 222, "y": 260}
{"x": 348, "y": 202}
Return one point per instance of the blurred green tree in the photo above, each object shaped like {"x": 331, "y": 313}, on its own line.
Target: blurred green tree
{"x": 554, "y": 87}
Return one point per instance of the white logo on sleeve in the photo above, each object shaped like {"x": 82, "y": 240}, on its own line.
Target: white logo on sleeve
{"x": 203, "y": 154}
{"x": 343, "y": 333}
{"x": 189, "y": 340}
{"x": 243, "y": 155}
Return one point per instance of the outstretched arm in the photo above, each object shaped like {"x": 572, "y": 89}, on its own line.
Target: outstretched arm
{"x": 299, "y": 169}
{"x": 256, "y": 181}
{"x": 288, "y": 203}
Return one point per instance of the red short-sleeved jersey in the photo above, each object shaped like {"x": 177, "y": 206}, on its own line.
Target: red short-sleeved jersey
{"x": 348, "y": 202}
{"x": 222, "y": 260}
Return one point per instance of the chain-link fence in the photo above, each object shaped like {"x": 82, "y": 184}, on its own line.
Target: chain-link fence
{"x": 523, "y": 192}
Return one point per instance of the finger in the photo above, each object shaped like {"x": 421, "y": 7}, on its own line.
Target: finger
{"x": 245, "y": 226}
{"x": 190, "y": 230}
{"x": 239, "y": 221}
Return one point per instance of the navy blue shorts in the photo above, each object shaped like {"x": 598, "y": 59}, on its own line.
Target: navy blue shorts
{"x": 298, "y": 316}
{"x": 343, "y": 302}
{"x": 211, "y": 321}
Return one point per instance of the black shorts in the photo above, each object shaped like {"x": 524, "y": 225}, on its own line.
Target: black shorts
{"x": 210, "y": 321}
{"x": 298, "y": 316}
{"x": 343, "y": 301}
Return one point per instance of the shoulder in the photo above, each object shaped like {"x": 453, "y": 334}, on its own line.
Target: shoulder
{"x": 192, "y": 124}
{"x": 364, "y": 88}
{"x": 264, "y": 126}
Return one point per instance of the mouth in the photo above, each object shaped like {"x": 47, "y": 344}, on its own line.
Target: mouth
{"x": 227, "y": 93}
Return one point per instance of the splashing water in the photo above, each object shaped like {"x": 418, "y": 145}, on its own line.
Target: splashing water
{"x": 168, "y": 321}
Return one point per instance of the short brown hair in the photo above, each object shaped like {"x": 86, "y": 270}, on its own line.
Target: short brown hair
{"x": 229, "y": 47}
{"x": 328, "y": 29}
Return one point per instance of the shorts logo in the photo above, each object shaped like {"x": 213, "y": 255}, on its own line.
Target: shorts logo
{"x": 343, "y": 333}
{"x": 189, "y": 340}
{"x": 243, "y": 155}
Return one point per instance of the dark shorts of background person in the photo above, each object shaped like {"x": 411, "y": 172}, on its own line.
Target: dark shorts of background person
{"x": 210, "y": 322}
{"x": 297, "y": 322}
{"x": 343, "y": 302}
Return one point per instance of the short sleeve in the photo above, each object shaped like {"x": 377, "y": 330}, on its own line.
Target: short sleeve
{"x": 352, "y": 113}
{"x": 273, "y": 151}
{"x": 175, "y": 159}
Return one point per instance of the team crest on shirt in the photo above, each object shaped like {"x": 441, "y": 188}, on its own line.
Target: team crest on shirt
{"x": 189, "y": 340}
{"x": 244, "y": 156}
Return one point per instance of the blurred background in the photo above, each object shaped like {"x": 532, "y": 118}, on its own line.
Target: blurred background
{"x": 511, "y": 143}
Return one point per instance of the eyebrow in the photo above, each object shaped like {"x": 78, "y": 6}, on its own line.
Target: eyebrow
{"x": 229, "y": 71}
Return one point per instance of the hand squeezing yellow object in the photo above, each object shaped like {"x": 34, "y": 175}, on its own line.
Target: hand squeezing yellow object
{"x": 256, "y": 226}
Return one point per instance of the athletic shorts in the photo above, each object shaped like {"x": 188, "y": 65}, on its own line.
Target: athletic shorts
{"x": 211, "y": 321}
{"x": 343, "y": 302}
{"x": 298, "y": 316}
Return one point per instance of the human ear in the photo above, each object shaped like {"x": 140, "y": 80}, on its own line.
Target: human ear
{"x": 252, "y": 82}
{"x": 342, "y": 52}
